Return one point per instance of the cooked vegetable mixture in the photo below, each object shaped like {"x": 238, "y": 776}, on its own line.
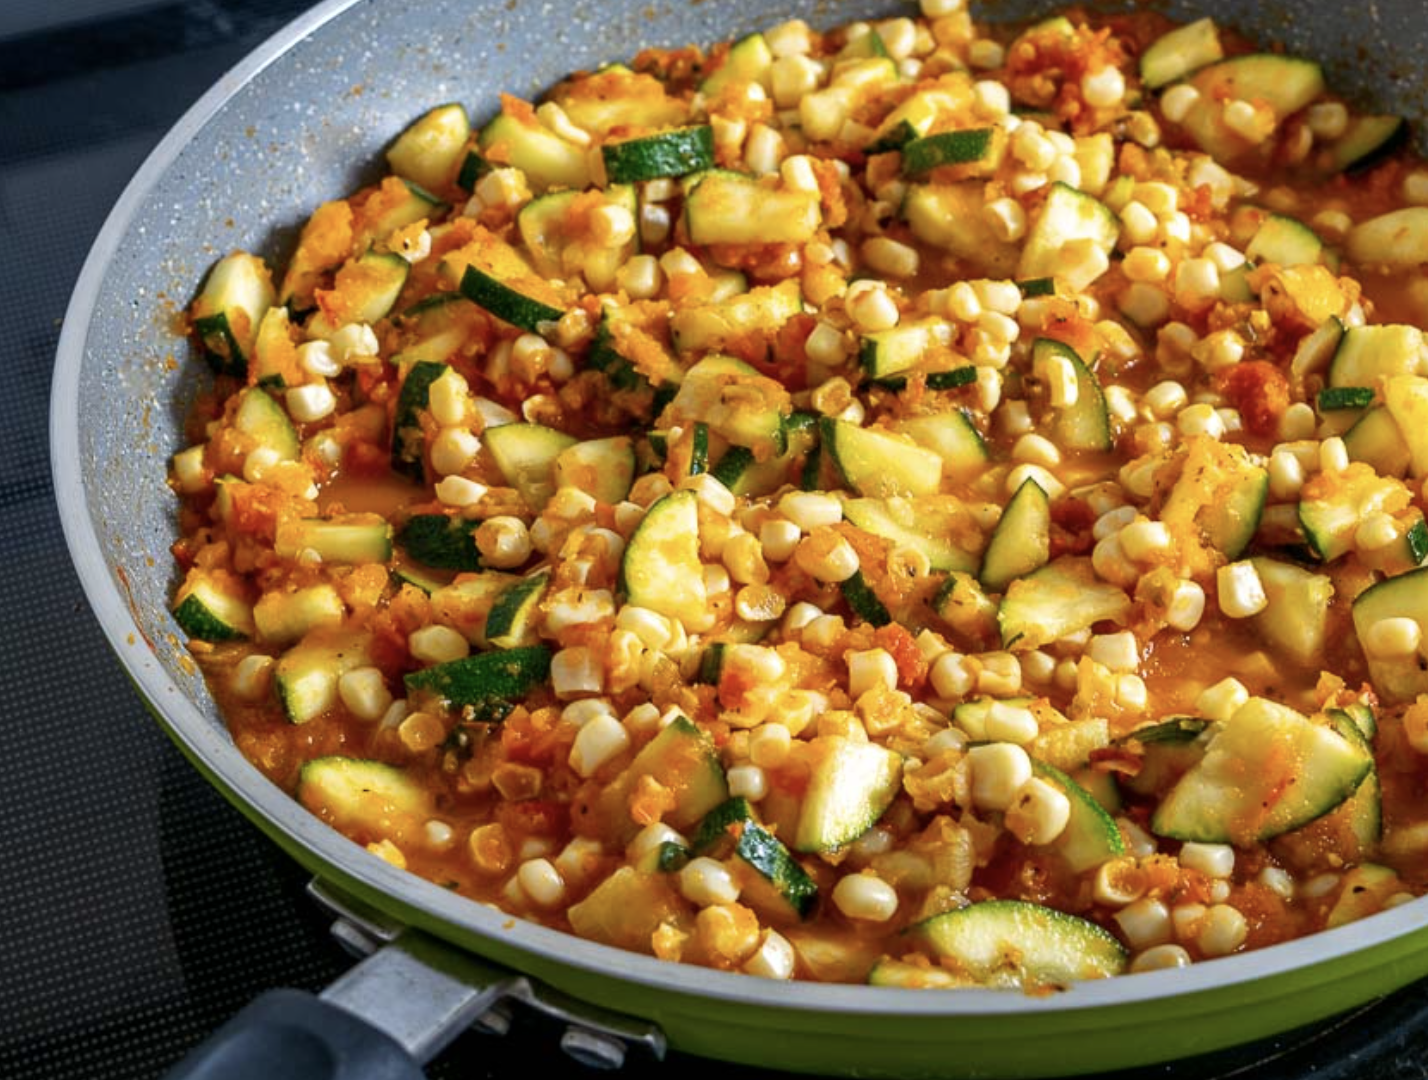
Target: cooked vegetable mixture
{"x": 921, "y": 503}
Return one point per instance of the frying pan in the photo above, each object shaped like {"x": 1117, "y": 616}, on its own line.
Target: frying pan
{"x": 305, "y": 118}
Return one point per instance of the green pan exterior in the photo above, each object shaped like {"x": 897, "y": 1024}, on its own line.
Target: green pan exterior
{"x": 243, "y": 169}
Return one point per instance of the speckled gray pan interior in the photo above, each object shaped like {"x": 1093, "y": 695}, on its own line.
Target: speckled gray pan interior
{"x": 305, "y": 119}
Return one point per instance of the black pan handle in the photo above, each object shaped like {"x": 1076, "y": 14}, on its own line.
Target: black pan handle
{"x": 382, "y": 1020}
{"x": 293, "y": 1035}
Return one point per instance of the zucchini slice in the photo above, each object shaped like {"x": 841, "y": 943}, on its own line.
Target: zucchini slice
{"x": 773, "y": 883}
{"x": 602, "y": 468}
{"x": 949, "y": 216}
{"x": 1284, "y": 83}
{"x": 365, "y": 290}
{"x": 1397, "y": 238}
{"x": 976, "y": 146}
{"x": 408, "y": 440}
{"x": 238, "y": 293}
{"x": 1396, "y": 678}
{"x": 1060, "y": 598}
{"x": 441, "y": 541}
{"x": 307, "y": 674}
{"x": 1068, "y": 217}
{"x": 263, "y": 420}
{"x": 282, "y": 618}
{"x": 1021, "y": 541}
{"x": 353, "y": 794}
{"x": 889, "y": 352}
{"x": 1086, "y": 424}
{"x": 355, "y": 540}
{"x": 900, "y": 521}
{"x": 660, "y": 569}
{"x": 1406, "y": 398}
{"x": 749, "y": 60}
{"x": 1091, "y": 836}
{"x": 547, "y": 160}
{"x": 527, "y": 454}
{"x": 1367, "y": 354}
{"x": 1186, "y": 49}
{"x": 879, "y": 464}
{"x": 208, "y": 609}
{"x": 1377, "y": 441}
{"x": 432, "y": 148}
{"x": 1267, "y": 770}
{"x": 1366, "y": 142}
{"x": 1339, "y": 503}
{"x": 488, "y": 682}
{"x": 685, "y": 761}
{"x": 1296, "y": 617}
{"x": 736, "y": 402}
{"x": 950, "y": 435}
{"x": 512, "y": 622}
{"x": 1015, "y": 944}
{"x": 730, "y": 208}
{"x": 666, "y": 153}
{"x": 851, "y": 785}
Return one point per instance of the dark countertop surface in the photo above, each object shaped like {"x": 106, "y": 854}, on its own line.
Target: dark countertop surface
{"x": 139, "y": 908}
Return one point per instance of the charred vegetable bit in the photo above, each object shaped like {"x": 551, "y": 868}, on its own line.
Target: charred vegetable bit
{"x": 922, "y": 503}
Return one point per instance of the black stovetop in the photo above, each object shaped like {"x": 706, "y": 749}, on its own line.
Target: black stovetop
{"x": 137, "y": 908}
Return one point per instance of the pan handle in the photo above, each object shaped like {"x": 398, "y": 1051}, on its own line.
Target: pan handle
{"x": 382, "y": 1020}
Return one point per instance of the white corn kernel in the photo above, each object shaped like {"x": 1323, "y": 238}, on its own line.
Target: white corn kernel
{"x": 1144, "y": 923}
{"x": 1200, "y": 419}
{"x": 1212, "y": 860}
{"x": 649, "y": 839}
{"x": 1327, "y": 119}
{"x": 1278, "y": 881}
{"x": 541, "y": 882}
{"x": 1138, "y": 223}
{"x": 1239, "y": 590}
{"x": 829, "y": 562}
{"x": 998, "y": 772}
{"x": 1161, "y": 958}
{"x": 1147, "y": 264}
{"x": 600, "y": 740}
{"x": 1222, "y": 700}
{"x": 1143, "y": 303}
{"x": 1245, "y": 120}
{"x": 353, "y": 341}
{"x": 1142, "y": 541}
{"x": 576, "y": 671}
{"x": 582, "y": 712}
{"x": 1222, "y": 930}
{"x": 1039, "y": 813}
{"x": 437, "y": 644}
{"x": 890, "y": 258}
{"x": 809, "y": 509}
{"x": 448, "y": 399}
{"x": 706, "y": 882}
{"x": 1036, "y": 450}
{"x": 1112, "y": 522}
{"x": 316, "y": 358}
{"x": 1103, "y": 89}
{"x": 1186, "y": 607}
{"x": 252, "y": 677}
{"x": 1393, "y": 637}
{"x": 1118, "y": 882}
{"x": 871, "y": 306}
{"x": 1010, "y": 723}
{"x": 458, "y": 491}
{"x": 1333, "y": 455}
{"x": 1109, "y": 561}
{"x": 748, "y": 782}
{"x": 870, "y": 669}
{"x": 310, "y": 402}
{"x": 1119, "y": 651}
{"x": 773, "y": 959}
{"x": 1007, "y": 219}
{"x": 1286, "y": 474}
{"x": 951, "y": 676}
{"x": 1177, "y": 101}
{"x": 641, "y": 277}
{"x": 866, "y": 897}
{"x": 452, "y": 450}
{"x": 364, "y": 692}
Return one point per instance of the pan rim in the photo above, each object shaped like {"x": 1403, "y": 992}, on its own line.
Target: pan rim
{"x": 242, "y": 782}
